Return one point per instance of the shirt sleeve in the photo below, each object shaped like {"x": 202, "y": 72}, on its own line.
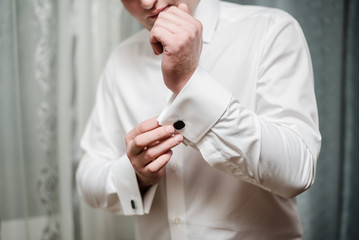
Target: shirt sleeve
{"x": 105, "y": 176}
{"x": 274, "y": 146}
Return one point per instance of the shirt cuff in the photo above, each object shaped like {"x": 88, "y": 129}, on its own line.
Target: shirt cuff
{"x": 125, "y": 184}
{"x": 197, "y": 107}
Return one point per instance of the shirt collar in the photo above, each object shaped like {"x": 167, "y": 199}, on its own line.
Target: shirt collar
{"x": 207, "y": 12}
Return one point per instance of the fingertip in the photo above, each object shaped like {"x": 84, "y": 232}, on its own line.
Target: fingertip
{"x": 179, "y": 138}
{"x": 157, "y": 48}
{"x": 170, "y": 129}
{"x": 169, "y": 153}
{"x": 183, "y": 7}
{"x": 167, "y": 156}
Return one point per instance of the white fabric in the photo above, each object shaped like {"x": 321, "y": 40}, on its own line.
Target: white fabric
{"x": 251, "y": 131}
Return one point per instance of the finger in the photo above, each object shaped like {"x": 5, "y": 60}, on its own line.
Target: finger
{"x": 169, "y": 22}
{"x": 182, "y": 21}
{"x": 144, "y": 126}
{"x": 155, "y": 42}
{"x": 157, "y": 47}
{"x": 148, "y": 138}
{"x": 159, "y": 163}
{"x": 154, "y": 152}
{"x": 154, "y": 144}
{"x": 177, "y": 16}
{"x": 160, "y": 38}
{"x": 169, "y": 32}
{"x": 184, "y": 7}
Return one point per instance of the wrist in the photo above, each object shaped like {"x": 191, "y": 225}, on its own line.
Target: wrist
{"x": 142, "y": 186}
{"x": 177, "y": 81}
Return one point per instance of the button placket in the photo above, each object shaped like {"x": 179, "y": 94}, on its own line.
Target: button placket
{"x": 174, "y": 167}
{"x": 175, "y": 195}
{"x": 177, "y": 220}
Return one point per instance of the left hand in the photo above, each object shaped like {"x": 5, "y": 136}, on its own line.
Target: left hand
{"x": 148, "y": 147}
{"x": 177, "y": 35}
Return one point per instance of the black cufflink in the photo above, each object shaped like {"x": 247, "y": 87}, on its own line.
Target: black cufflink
{"x": 133, "y": 204}
{"x": 179, "y": 125}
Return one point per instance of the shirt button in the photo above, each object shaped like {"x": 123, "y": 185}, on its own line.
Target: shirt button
{"x": 174, "y": 166}
{"x": 177, "y": 220}
{"x": 179, "y": 125}
{"x": 133, "y": 204}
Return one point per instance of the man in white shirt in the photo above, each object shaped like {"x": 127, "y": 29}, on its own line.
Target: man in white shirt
{"x": 237, "y": 140}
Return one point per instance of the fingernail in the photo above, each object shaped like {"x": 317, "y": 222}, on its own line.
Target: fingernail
{"x": 170, "y": 129}
{"x": 179, "y": 138}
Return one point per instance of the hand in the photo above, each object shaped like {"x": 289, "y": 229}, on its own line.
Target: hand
{"x": 177, "y": 35}
{"x": 149, "y": 149}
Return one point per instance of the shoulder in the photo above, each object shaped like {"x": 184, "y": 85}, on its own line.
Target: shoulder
{"x": 233, "y": 12}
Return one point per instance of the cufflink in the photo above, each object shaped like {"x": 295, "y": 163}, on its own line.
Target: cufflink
{"x": 179, "y": 125}
{"x": 133, "y": 204}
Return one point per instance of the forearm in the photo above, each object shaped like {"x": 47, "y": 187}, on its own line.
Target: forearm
{"x": 287, "y": 165}
{"x": 94, "y": 181}
{"x": 258, "y": 151}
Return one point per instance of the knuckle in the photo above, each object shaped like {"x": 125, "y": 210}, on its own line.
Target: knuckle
{"x": 127, "y": 140}
{"x": 177, "y": 48}
{"x": 192, "y": 33}
{"x": 181, "y": 44}
{"x": 166, "y": 157}
{"x": 198, "y": 29}
{"x": 157, "y": 133}
{"x": 142, "y": 127}
{"x": 152, "y": 170}
{"x": 161, "y": 15}
{"x": 128, "y": 152}
{"x": 160, "y": 173}
{"x": 172, "y": 143}
{"x": 192, "y": 28}
{"x": 149, "y": 155}
{"x": 154, "y": 30}
{"x": 199, "y": 26}
{"x": 171, "y": 9}
{"x": 134, "y": 163}
{"x": 137, "y": 142}
{"x": 163, "y": 132}
{"x": 192, "y": 36}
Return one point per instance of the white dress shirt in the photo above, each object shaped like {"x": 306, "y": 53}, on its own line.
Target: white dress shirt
{"x": 251, "y": 131}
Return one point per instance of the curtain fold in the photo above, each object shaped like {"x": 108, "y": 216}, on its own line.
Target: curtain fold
{"x": 350, "y": 193}
{"x": 13, "y": 204}
{"x": 51, "y": 56}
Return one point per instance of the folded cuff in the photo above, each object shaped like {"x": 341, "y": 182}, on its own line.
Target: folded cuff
{"x": 197, "y": 107}
{"x": 126, "y": 185}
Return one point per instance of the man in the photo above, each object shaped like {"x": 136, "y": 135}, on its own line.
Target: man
{"x": 237, "y": 140}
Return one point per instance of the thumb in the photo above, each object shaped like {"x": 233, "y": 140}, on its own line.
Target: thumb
{"x": 184, "y": 7}
{"x": 156, "y": 44}
{"x": 157, "y": 48}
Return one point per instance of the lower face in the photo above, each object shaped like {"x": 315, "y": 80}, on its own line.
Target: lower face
{"x": 146, "y": 11}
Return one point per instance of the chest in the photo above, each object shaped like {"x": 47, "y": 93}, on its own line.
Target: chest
{"x": 141, "y": 94}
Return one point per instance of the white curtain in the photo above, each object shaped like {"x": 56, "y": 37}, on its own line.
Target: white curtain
{"x": 51, "y": 57}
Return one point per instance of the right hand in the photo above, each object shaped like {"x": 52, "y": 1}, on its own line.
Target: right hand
{"x": 178, "y": 35}
{"x": 149, "y": 149}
